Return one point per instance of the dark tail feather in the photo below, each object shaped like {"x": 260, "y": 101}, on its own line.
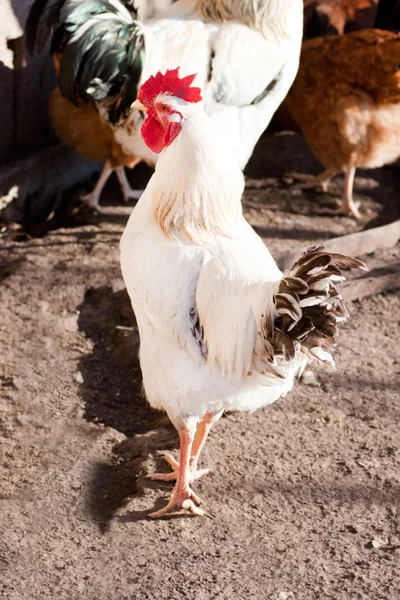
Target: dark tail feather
{"x": 308, "y": 305}
{"x": 42, "y": 19}
{"x": 101, "y": 46}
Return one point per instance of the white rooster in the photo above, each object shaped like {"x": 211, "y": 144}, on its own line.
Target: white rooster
{"x": 245, "y": 54}
{"x": 221, "y": 328}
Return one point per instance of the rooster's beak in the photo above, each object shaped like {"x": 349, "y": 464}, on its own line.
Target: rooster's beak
{"x": 137, "y": 105}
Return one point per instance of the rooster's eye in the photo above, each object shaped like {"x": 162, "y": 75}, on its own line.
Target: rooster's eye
{"x": 163, "y": 107}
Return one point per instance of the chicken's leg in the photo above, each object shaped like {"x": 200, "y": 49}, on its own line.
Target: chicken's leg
{"x": 92, "y": 200}
{"x": 321, "y": 181}
{"x": 183, "y": 496}
{"x": 349, "y": 206}
{"x": 126, "y": 189}
{"x": 202, "y": 431}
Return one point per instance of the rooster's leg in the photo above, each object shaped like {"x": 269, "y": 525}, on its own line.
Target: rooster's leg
{"x": 126, "y": 189}
{"x": 203, "y": 429}
{"x": 202, "y": 432}
{"x": 183, "y": 496}
{"x": 320, "y": 181}
{"x": 92, "y": 200}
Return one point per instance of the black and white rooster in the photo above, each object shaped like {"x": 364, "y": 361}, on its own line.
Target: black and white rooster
{"x": 245, "y": 54}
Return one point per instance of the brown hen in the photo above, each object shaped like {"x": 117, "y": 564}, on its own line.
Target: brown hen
{"x": 346, "y": 102}
{"x": 81, "y": 128}
{"x": 332, "y": 17}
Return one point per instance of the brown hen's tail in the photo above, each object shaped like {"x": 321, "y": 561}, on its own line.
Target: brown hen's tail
{"x": 309, "y": 306}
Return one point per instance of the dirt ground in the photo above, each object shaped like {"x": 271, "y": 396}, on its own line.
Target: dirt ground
{"x": 303, "y": 497}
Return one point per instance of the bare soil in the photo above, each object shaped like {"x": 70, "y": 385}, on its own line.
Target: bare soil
{"x": 303, "y": 497}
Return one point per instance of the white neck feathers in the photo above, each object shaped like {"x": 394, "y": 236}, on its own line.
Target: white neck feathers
{"x": 197, "y": 185}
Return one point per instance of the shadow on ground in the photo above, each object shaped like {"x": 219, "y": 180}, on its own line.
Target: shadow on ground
{"x": 112, "y": 388}
{"x": 111, "y": 485}
{"x": 112, "y": 394}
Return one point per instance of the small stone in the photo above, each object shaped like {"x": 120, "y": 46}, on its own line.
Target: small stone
{"x": 60, "y": 565}
{"x": 17, "y": 384}
{"x": 281, "y": 548}
{"x": 78, "y": 377}
{"x": 76, "y": 485}
{"x": 308, "y": 378}
{"x": 379, "y": 542}
{"x": 22, "y": 420}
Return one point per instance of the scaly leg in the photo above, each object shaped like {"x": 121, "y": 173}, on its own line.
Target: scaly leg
{"x": 321, "y": 181}
{"x": 126, "y": 189}
{"x": 183, "y": 496}
{"x": 349, "y": 206}
{"x": 202, "y": 431}
{"x": 92, "y": 200}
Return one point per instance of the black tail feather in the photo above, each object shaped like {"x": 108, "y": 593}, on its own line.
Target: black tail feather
{"x": 101, "y": 47}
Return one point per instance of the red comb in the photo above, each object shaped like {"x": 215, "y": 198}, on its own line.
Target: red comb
{"x": 169, "y": 83}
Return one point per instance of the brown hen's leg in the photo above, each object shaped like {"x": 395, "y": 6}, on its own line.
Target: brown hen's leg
{"x": 320, "y": 181}
{"x": 183, "y": 496}
{"x": 202, "y": 431}
{"x": 349, "y": 206}
{"x": 126, "y": 189}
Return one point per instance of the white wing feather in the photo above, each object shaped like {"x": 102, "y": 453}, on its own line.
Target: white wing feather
{"x": 229, "y": 285}
{"x": 234, "y": 289}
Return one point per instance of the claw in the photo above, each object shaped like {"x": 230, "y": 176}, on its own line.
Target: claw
{"x": 320, "y": 181}
{"x": 130, "y": 193}
{"x": 188, "y": 501}
{"x": 345, "y": 211}
{"x": 174, "y": 464}
{"x": 92, "y": 202}
{"x": 185, "y": 471}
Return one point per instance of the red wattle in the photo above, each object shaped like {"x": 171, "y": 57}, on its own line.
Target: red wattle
{"x": 156, "y": 136}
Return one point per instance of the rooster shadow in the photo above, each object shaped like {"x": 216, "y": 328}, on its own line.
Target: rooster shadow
{"x": 112, "y": 394}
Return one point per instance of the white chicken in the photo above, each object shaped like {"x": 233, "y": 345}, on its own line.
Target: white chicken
{"x": 221, "y": 328}
{"x": 245, "y": 54}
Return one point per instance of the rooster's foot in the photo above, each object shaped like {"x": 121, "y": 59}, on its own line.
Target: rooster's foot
{"x": 181, "y": 498}
{"x": 195, "y": 473}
